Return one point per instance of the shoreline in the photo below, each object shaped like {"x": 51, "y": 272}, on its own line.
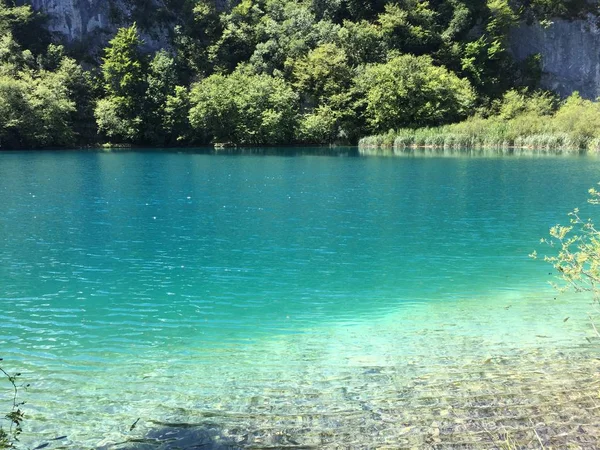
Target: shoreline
{"x": 460, "y": 149}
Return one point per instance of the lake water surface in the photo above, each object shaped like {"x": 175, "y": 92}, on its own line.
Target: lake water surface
{"x": 237, "y": 300}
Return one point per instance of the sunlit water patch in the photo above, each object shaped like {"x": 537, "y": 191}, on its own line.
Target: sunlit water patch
{"x": 308, "y": 301}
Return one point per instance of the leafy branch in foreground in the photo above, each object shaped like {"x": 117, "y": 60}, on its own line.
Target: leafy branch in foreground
{"x": 578, "y": 257}
{"x": 8, "y": 439}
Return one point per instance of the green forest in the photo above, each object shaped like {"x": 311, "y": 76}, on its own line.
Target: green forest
{"x": 265, "y": 72}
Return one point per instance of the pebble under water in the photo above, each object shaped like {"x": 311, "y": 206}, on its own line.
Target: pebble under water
{"x": 162, "y": 300}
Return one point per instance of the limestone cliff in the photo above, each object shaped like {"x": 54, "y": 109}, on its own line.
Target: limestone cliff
{"x": 74, "y": 19}
{"x": 570, "y": 53}
{"x": 89, "y": 20}
{"x": 96, "y": 21}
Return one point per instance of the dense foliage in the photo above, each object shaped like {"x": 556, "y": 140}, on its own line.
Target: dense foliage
{"x": 244, "y": 107}
{"x": 410, "y": 90}
{"x": 519, "y": 120}
{"x": 141, "y": 94}
{"x": 45, "y": 99}
{"x": 264, "y": 71}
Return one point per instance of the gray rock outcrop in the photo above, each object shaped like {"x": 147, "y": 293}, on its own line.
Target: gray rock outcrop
{"x": 74, "y": 19}
{"x": 570, "y": 53}
{"x": 96, "y": 21}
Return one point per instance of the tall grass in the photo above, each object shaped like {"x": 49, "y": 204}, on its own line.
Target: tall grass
{"x": 517, "y": 122}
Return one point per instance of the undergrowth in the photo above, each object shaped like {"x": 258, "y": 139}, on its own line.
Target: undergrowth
{"x": 519, "y": 121}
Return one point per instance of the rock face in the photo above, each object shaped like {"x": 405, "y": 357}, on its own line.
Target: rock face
{"x": 74, "y": 19}
{"x": 95, "y": 22}
{"x": 77, "y": 20}
{"x": 570, "y": 54}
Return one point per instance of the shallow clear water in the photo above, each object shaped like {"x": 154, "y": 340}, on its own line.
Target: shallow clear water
{"x": 291, "y": 296}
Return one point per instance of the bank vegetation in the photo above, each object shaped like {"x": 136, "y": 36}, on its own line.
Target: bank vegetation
{"x": 264, "y": 72}
{"x": 519, "y": 121}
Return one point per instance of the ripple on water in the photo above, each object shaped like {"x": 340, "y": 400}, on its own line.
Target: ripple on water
{"x": 421, "y": 375}
{"x": 300, "y": 302}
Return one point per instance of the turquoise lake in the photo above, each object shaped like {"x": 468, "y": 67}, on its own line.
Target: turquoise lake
{"x": 300, "y": 300}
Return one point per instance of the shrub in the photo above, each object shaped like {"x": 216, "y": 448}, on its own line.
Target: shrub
{"x": 243, "y": 108}
{"x": 409, "y": 91}
{"x": 577, "y": 259}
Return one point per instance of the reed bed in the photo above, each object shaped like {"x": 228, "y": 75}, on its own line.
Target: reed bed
{"x": 444, "y": 138}
{"x": 517, "y": 123}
